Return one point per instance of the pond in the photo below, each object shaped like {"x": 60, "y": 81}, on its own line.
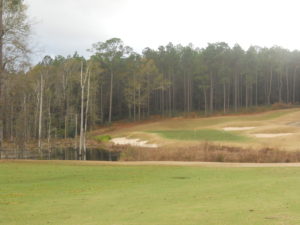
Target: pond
{"x": 60, "y": 154}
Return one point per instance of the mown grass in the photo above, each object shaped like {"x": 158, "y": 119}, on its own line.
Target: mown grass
{"x": 67, "y": 194}
{"x": 201, "y": 135}
{"x": 102, "y": 138}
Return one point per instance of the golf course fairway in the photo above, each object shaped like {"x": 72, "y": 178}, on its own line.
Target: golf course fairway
{"x": 79, "y": 193}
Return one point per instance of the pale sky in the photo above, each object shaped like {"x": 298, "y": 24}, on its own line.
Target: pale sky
{"x": 64, "y": 26}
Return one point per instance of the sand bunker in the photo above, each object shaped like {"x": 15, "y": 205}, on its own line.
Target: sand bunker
{"x": 132, "y": 142}
{"x": 237, "y": 128}
{"x": 295, "y": 124}
{"x": 272, "y": 135}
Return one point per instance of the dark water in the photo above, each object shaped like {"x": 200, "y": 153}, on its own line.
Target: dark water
{"x": 61, "y": 154}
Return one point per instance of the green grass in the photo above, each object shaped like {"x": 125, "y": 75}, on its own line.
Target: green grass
{"x": 201, "y": 135}
{"x": 102, "y": 138}
{"x": 65, "y": 194}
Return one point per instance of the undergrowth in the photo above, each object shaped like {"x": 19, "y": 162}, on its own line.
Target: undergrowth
{"x": 208, "y": 153}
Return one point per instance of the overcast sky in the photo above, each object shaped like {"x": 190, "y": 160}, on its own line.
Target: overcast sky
{"x": 65, "y": 26}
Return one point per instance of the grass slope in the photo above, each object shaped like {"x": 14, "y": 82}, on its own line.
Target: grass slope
{"x": 68, "y": 193}
{"x": 182, "y": 132}
{"x": 201, "y": 135}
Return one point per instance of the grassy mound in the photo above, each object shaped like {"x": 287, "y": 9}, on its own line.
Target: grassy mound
{"x": 201, "y": 135}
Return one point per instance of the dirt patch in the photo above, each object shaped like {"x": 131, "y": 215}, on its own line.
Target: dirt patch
{"x": 237, "y": 128}
{"x": 132, "y": 142}
{"x": 272, "y": 135}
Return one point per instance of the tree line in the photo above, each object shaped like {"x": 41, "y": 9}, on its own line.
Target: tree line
{"x": 64, "y": 97}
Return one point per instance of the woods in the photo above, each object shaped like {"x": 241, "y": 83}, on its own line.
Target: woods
{"x": 64, "y": 97}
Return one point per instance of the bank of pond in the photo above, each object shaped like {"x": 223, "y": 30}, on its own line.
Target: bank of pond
{"x": 60, "y": 154}
{"x": 202, "y": 153}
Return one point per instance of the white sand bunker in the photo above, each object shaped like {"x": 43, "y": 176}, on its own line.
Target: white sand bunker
{"x": 132, "y": 142}
{"x": 295, "y": 124}
{"x": 237, "y": 128}
{"x": 272, "y": 135}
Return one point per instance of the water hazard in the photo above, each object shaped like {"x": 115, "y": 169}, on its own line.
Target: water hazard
{"x": 60, "y": 154}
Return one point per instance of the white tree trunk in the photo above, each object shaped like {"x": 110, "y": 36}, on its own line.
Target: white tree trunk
{"x": 86, "y": 117}
{"x": 110, "y": 96}
{"x": 41, "y": 112}
{"x": 83, "y": 79}
{"x": 49, "y": 129}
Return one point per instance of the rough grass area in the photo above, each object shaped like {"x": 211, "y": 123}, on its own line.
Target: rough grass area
{"x": 272, "y": 115}
{"x": 201, "y": 135}
{"x": 205, "y": 152}
{"x": 185, "y": 132}
{"x": 78, "y": 193}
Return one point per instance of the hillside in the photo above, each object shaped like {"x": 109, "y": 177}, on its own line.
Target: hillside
{"x": 278, "y": 129}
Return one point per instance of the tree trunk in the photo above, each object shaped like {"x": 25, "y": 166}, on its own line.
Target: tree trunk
{"x": 211, "y": 101}
{"x": 111, "y": 95}
{"x": 188, "y": 94}
{"x": 170, "y": 97}
{"x": 246, "y": 94}
{"x": 205, "y": 100}
{"x": 134, "y": 104}
{"x": 148, "y": 97}
{"x": 49, "y": 129}
{"x": 86, "y": 116}
{"x": 270, "y": 86}
{"x": 1, "y": 39}
{"x": 41, "y": 112}
{"x": 256, "y": 89}
{"x": 66, "y": 121}
{"x": 81, "y": 125}
{"x": 235, "y": 92}
{"x": 101, "y": 104}
{"x": 294, "y": 85}
{"x": 76, "y": 130}
{"x": 191, "y": 94}
{"x": 81, "y": 141}
{"x": 280, "y": 88}
{"x": 139, "y": 91}
{"x": 1, "y": 72}
{"x": 287, "y": 85}
{"x": 25, "y": 120}
{"x": 224, "y": 97}
{"x": 184, "y": 93}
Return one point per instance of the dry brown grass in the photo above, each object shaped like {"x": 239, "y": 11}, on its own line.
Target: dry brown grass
{"x": 208, "y": 153}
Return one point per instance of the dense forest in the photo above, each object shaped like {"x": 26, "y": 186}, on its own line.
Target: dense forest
{"x": 116, "y": 83}
{"x": 64, "y": 97}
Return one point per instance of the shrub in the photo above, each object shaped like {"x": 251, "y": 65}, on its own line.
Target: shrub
{"x": 281, "y": 105}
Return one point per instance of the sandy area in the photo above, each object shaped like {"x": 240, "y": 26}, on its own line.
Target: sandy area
{"x": 237, "y": 128}
{"x": 272, "y": 135}
{"x": 132, "y": 142}
{"x": 295, "y": 124}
